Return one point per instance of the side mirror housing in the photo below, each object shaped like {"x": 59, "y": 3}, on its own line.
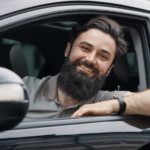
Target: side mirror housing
{"x": 14, "y": 99}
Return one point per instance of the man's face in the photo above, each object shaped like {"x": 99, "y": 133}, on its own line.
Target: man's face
{"x": 88, "y": 64}
{"x": 96, "y": 48}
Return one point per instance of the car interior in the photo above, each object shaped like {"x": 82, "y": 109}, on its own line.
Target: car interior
{"x": 38, "y": 51}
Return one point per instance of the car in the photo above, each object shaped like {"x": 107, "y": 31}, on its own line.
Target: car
{"x": 33, "y": 37}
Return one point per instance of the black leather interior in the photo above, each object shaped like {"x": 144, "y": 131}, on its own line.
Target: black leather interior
{"x": 18, "y": 61}
{"x": 124, "y": 75}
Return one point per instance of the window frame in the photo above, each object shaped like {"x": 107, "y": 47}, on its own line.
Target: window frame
{"x": 75, "y": 126}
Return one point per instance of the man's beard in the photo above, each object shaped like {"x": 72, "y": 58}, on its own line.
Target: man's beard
{"x": 78, "y": 84}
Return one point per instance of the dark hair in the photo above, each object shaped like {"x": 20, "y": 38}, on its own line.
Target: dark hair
{"x": 106, "y": 25}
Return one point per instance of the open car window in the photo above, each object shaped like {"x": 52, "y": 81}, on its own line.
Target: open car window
{"x": 44, "y": 45}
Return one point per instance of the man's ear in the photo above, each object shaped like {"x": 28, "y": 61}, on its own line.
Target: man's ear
{"x": 67, "y": 49}
{"x": 110, "y": 69}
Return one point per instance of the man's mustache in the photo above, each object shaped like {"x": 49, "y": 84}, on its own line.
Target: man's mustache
{"x": 86, "y": 64}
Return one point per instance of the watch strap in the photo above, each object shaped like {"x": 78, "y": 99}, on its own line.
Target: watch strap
{"x": 122, "y": 105}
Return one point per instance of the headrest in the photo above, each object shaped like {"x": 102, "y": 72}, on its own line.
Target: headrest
{"x": 122, "y": 66}
{"x": 12, "y": 57}
{"x": 18, "y": 61}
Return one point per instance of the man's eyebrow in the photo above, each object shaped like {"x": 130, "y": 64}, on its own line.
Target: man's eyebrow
{"x": 84, "y": 42}
{"x": 105, "y": 51}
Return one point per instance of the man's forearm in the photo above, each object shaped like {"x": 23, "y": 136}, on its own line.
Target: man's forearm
{"x": 138, "y": 103}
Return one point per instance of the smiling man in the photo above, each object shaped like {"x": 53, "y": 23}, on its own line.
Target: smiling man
{"x": 90, "y": 55}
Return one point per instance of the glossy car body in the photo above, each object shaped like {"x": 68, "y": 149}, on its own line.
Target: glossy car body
{"x": 101, "y": 132}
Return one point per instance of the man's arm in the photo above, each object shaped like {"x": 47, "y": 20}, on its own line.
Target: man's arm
{"x": 138, "y": 103}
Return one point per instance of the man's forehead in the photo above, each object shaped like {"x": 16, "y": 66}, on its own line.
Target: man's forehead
{"x": 95, "y": 35}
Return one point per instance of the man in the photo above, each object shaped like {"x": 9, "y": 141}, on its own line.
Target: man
{"x": 75, "y": 91}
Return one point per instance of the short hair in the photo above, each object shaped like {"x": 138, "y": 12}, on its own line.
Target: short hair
{"x": 107, "y": 26}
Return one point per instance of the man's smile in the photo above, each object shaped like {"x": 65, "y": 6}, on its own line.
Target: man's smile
{"x": 85, "y": 68}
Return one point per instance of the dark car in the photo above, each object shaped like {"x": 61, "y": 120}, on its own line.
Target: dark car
{"x": 33, "y": 37}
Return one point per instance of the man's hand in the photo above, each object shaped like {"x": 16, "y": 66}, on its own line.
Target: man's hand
{"x": 100, "y": 108}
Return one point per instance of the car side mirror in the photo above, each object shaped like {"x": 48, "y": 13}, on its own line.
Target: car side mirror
{"x": 14, "y": 99}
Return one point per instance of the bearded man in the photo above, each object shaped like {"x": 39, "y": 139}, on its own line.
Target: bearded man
{"x": 93, "y": 49}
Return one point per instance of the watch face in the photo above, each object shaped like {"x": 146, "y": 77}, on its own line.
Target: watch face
{"x": 114, "y": 97}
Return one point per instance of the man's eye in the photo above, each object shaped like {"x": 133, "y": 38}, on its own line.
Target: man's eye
{"x": 85, "y": 48}
{"x": 102, "y": 56}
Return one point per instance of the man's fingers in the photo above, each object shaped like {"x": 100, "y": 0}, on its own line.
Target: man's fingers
{"x": 81, "y": 112}
{"x": 101, "y": 108}
{"x": 77, "y": 114}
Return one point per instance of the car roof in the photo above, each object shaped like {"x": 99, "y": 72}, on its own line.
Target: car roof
{"x": 10, "y": 6}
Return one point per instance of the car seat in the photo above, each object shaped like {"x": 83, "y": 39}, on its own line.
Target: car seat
{"x": 124, "y": 75}
{"x": 53, "y": 50}
{"x": 12, "y": 57}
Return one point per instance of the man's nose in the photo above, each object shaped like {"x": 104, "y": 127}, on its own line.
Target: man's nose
{"x": 91, "y": 58}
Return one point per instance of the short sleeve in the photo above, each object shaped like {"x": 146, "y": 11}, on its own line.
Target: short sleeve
{"x": 30, "y": 82}
{"x": 106, "y": 95}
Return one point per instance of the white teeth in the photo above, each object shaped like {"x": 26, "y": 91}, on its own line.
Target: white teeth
{"x": 86, "y": 68}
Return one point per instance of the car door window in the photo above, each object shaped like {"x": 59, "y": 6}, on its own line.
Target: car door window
{"x": 44, "y": 53}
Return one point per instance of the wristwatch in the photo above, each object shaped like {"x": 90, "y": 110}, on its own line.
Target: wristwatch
{"x": 122, "y": 104}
